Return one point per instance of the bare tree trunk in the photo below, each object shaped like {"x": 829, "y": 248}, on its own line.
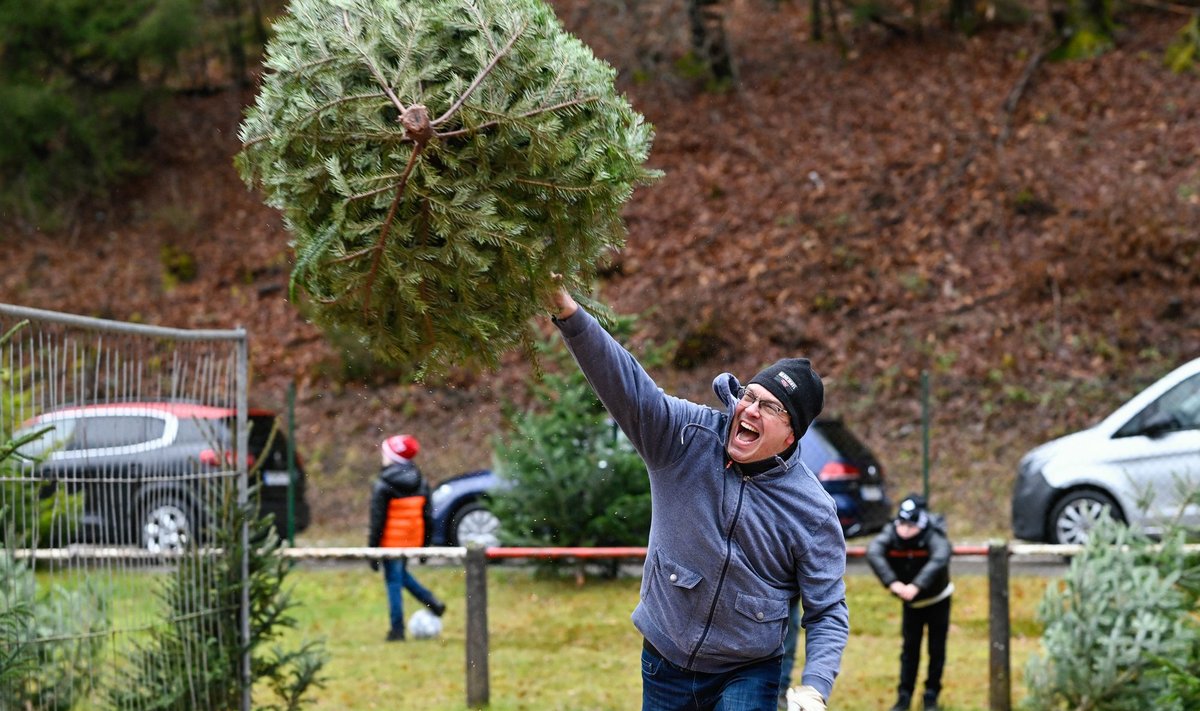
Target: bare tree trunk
{"x": 962, "y": 15}
{"x": 832, "y": 12}
{"x": 708, "y": 37}
{"x": 234, "y": 42}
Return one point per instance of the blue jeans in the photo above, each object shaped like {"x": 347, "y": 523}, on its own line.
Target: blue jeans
{"x": 666, "y": 687}
{"x": 397, "y": 579}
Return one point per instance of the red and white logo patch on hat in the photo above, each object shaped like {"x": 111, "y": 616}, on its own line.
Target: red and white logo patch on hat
{"x": 786, "y": 381}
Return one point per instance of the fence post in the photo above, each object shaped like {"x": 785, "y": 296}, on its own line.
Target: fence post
{"x": 477, "y": 628}
{"x": 243, "y": 474}
{"x": 1000, "y": 684}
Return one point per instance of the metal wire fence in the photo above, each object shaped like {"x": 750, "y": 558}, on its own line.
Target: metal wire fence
{"x": 122, "y": 447}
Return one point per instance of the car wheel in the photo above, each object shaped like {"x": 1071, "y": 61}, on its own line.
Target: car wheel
{"x": 474, "y": 524}
{"x": 1077, "y": 513}
{"x": 166, "y": 523}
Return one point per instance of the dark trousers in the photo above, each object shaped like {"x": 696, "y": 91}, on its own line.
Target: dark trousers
{"x": 912, "y": 625}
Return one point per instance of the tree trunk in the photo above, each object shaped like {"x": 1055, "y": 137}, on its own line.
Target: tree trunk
{"x": 708, "y": 38}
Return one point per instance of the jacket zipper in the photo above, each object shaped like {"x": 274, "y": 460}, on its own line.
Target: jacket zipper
{"x": 712, "y": 610}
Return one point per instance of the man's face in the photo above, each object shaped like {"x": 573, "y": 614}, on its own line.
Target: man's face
{"x": 757, "y": 434}
{"x": 907, "y": 530}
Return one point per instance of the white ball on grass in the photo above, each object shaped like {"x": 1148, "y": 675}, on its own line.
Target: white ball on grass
{"x": 424, "y": 625}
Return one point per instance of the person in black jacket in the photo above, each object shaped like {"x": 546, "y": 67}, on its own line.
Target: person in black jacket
{"x": 400, "y": 519}
{"x": 911, "y": 557}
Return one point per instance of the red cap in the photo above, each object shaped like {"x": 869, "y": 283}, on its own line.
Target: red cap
{"x": 400, "y": 448}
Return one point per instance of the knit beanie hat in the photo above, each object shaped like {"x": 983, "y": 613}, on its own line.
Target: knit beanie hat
{"x": 400, "y": 448}
{"x": 798, "y": 388}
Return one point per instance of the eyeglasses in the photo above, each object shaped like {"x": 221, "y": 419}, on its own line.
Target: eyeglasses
{"x": 771, "y": 408}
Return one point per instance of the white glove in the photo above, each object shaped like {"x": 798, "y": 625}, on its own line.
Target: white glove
{"x": 804, "y": 698}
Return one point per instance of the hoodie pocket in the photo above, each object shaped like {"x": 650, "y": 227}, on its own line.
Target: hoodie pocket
{"x": 759, "y": 625}
{"x": 676, "y": 575}
{"x": 673, "y": 596}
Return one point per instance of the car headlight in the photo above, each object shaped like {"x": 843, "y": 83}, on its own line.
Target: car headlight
{"x": 440, "y": 494}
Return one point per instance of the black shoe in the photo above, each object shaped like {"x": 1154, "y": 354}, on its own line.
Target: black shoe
{"x": 395, "y": 635}
{"x": 931, "y": 704}
{"x": 902, "y": 704}
{"x": 437, "y": 607}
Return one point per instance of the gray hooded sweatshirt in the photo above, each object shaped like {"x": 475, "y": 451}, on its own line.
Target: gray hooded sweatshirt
{"x": 727, "y": 551}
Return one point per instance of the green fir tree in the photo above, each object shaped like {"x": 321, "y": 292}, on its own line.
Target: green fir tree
{"x": 193, "y": 659}
{"x": 1121, "y": 632}
{"x": 434, "y": 162}
{"x": 576, "y": 480}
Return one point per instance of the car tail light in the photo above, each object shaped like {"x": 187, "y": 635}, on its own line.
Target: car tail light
{"x": 210, "y": 457}
{"x": 839, "y": 471}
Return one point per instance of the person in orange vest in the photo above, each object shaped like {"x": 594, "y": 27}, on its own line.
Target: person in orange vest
{"x": 399, "y": 519}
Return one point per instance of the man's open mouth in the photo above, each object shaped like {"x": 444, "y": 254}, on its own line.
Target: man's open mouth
{"x": 746, "y": 434}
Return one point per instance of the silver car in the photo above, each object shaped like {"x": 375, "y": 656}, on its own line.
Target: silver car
{"x": 1139, "y": 462}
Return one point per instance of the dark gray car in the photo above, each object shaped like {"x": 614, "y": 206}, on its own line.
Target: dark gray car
{"x": 147, "y": 471}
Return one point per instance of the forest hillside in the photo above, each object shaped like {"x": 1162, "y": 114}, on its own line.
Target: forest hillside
{"x": 1026, "y": 233}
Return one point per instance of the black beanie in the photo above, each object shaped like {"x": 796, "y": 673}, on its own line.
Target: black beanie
{"x": 798, "y": 387}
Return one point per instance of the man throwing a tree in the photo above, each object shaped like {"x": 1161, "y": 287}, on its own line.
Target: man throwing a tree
{"x": 740, "y": 525}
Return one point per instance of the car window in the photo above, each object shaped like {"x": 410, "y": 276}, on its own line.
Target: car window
{"x": 843, "y": 441}
{"x": 218, "y": 434}
{"x": 264, "y": 430}
{"x": 104, "y": 431}
{"x": 814, "y": 450}
{"x": 1182, "y": 403}
{"x": 56, "y": 438}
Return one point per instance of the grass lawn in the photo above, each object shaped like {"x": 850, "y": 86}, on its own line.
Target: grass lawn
{"x": 555, "y": 645}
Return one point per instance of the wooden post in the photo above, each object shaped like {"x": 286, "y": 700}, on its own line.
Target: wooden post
{"x": 477, "y": 628}
{"x": 1000, "y": 684}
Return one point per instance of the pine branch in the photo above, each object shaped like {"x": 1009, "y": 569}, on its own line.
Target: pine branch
{"x": 555, "y": 186}
{"x": 371, "y": 65}
{"x": 384, "y": 189}
{"x": 479, "y": 78}
{"x": 528, "y": 114}
{"x": 387, "y": 226}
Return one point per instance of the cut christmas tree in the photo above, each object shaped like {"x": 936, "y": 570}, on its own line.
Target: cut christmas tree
{"x": 434, "y": 162}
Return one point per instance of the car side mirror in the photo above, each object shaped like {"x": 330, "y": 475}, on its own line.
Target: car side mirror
{"x": 1159, "y": 424}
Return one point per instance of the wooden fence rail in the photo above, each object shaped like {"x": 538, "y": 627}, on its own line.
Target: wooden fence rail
{"x": 475, "y": 560}
{"x": 997, "y": 553}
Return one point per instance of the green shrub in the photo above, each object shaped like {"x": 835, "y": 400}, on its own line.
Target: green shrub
{"x": 76, "y": 77}
{"x": 1121, "y": 631}
{"x": 1184, "y": 49}
{"x": 1085, "y": 29}
{"x": 56, "y": 637}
